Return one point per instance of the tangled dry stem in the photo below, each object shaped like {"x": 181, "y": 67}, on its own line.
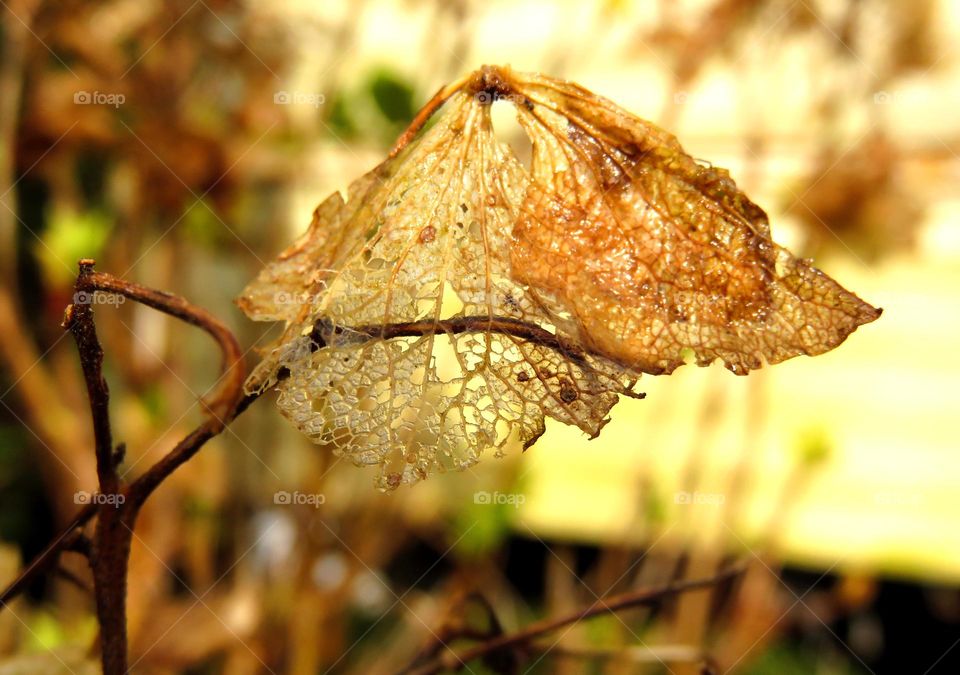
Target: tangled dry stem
{"x": 108, "y": 550}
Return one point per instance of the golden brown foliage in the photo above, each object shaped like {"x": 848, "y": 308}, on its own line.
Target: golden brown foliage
{"x": 457, "y": 298}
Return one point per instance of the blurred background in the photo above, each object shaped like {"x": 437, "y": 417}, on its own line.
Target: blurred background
{"x": 184, "y": 143}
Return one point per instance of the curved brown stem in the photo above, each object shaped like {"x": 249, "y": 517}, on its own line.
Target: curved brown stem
{"x": 426, "y": 112}
{"x": 527, "y": 332}
{"x": 109, "y": 549}
{"x": 504, "y": 325}
{"x": 232, "y": 372}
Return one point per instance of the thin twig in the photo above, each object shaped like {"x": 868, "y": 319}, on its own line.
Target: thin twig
{"x": 109, "y": 550}
{"x": 454, "y": 661}
{"x": 230, "y": 402}
{"x": 78, "y": 319}
{"x": 224, "y": 406}
{"x": 504, "y": 325}
{"x": 523, "y": 330}
{"x": 488, "y": 80}
{"x": 426, "y": 112}
{"x": 140, "y": 489}
{"x": 454, "y": 628}
{"x": 232, "y": 372}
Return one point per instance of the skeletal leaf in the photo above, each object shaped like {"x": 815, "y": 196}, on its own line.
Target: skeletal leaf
{"x": 455, "y": 298}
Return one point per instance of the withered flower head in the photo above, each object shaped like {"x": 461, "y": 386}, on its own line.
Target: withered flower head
{"x": 456, "y": 298}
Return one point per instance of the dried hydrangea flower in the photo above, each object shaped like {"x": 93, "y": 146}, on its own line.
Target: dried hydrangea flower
{"x": 455, "y": 298}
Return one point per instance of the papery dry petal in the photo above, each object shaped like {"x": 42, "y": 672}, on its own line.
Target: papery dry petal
{"x": 655, "y": 253}
{"x": 456, "y": 299}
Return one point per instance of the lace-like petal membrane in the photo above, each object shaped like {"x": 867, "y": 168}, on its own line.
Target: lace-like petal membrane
{"x": 455, "y": 299}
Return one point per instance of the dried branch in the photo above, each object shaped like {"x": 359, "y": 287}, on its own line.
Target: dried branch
{"x": 422, "y": 117}
{"x": 455, "y": 628}
{"x": 502, "y": 325}
{"x": 111, "y": 543}
{"x": 78, "y": 319}
{"x": 455, "y": 661}
{"x": 109, "y": 549}
{"x": 232, "y": 372}
{"x": 223, "y": 406}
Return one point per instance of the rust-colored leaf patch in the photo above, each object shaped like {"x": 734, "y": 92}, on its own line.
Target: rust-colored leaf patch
{"x": 455, "y": 299}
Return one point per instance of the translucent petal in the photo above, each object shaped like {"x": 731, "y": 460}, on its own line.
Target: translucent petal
{"x": 456, "y": 299}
